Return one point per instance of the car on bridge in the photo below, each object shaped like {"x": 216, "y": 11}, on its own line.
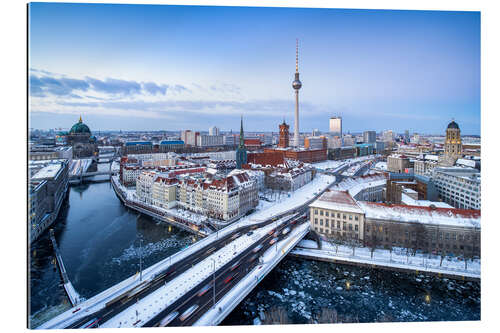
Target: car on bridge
{"x": 204, "y": 290}
{"x": 168, "y": 319}
{"x": 188, "y": 312}
{"x": 257, "y": 248}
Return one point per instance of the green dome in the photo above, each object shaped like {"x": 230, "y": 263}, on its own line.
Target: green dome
{"x": 79, "y": 128}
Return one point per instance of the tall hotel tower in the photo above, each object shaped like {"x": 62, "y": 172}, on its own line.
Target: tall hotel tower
{"x": 296, "y": 84}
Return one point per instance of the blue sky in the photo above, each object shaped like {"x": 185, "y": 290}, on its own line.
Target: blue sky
{"x": 158, "y": 67}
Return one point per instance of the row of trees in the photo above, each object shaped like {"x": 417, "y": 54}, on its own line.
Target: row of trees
{"x": 411, "y": 237}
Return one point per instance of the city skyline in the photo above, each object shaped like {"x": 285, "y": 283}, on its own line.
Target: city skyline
{"x": 193, "y": 70}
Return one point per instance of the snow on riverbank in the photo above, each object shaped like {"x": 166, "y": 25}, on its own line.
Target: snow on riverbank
{"x": 396, "y": 259}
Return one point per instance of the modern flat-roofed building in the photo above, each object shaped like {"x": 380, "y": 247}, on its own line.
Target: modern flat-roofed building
{"x": 459, "y": 187}
{"x": 369, "y": 136}
{"x": 47, "y": 190}
{"x": 398, "y": 163}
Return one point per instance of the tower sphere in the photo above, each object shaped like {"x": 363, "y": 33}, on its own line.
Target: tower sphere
{"x": 296, "y": 84}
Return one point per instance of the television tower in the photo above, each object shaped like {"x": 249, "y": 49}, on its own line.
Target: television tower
{"x": 296, "y": 84}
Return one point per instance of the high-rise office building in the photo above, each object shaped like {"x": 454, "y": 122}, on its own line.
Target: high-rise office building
{"x": 213, "y": 131}
{"x": 369, "y": 136}
{"x": 336, "y": 126}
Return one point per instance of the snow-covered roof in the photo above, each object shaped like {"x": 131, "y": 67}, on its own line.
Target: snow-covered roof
{"x": 337, "y": 200}
{"x": 428, "y": 215}
{"x": 407, "y": 200}
{"x": 357, "y": 184}
{"x": 49, "y": 171}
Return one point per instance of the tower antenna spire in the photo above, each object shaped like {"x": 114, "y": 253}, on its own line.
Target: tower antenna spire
{"x": 297, "y": 56}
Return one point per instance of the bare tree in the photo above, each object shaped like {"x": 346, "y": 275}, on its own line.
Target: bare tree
{"x": 276, "y": 316}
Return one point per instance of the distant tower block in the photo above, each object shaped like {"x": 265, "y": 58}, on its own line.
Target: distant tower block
{"x": 296, "y": 84}
{"x": 284, "y": 135}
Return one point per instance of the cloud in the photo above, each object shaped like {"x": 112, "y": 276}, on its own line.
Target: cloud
{"x": 154, "y": 89}
{"x": 115, "y": 86}
{"x": 43, "y": 85}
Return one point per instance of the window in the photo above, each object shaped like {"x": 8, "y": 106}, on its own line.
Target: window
{"x": 326, "y": 213}
{"x": 356, "y": 218}
{"x": 321, "y": 222}
{"x": 320, "y": 229}
{"x": 315, "y": 212}
{"x": 338, "y": 215}
{"x": 343, "y": 216}
{"x": 356, "y": 227}
{"x": 344, "y": 225}
{"x": 350, "y": 217}
{"x": 350, "y": 227}
{"x": 326, "y": 223}
{"x": 338, "y": 225}
{"x": 315, "y": 221}
{"x": 321, "y": 212}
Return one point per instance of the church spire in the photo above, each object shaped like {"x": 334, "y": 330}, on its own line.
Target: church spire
{"x": 80, "y": 119}
{"x": 242, "y": 138}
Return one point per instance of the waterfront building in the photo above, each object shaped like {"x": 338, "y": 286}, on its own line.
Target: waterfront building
{"x": 164, "y": 192}
{"x": 459, "y": 187}
{"x": 337, "y": 215}
{"x": 226, "y": 199}
{"x": 84, "y": 144}
{"x": 48, "y": 186}
{"x": 440, "y": 230}
{"x": 445, "y": 231}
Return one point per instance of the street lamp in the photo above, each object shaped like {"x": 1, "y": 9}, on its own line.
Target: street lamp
{"x": 214, "y": 283}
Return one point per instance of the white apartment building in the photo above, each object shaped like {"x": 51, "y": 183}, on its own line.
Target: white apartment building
{"x": 165, "y": 192}
{"x": 144, "y": 186}
{"x": 459, "y": 187}
{"x": 209, "y": 140}
{"x": 225, "y": 199}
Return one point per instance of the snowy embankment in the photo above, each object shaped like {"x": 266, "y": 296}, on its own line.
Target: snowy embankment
{"x": 397, "y": 259}
{"x": 270, "y": 259}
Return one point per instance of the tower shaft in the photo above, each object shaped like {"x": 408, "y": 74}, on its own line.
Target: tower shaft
{"x": 296, "y": 128}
